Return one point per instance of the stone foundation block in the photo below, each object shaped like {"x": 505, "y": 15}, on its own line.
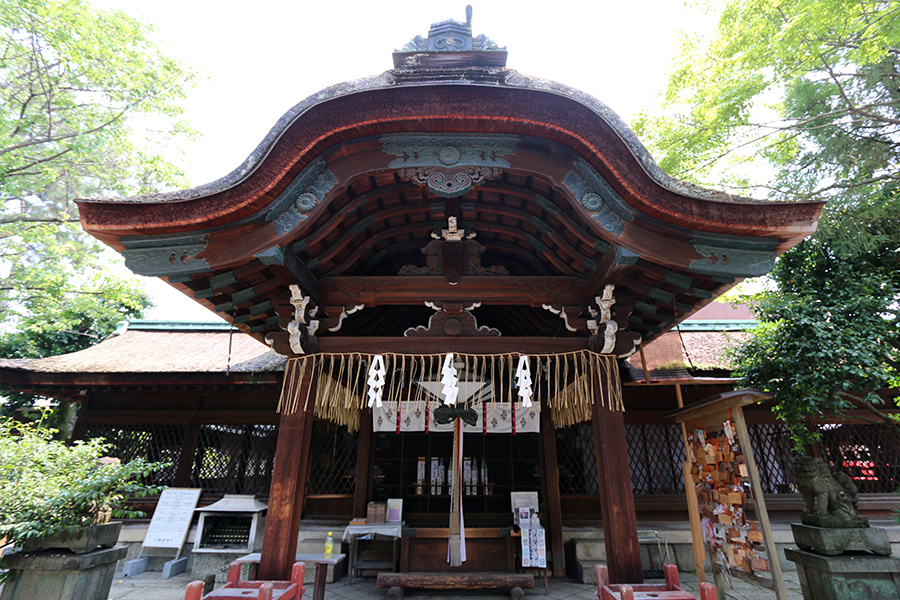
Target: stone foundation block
{"x": 50, "y": 575}
{"x": 848, "y": 577}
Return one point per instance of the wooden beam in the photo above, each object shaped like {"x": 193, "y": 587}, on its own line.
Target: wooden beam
{"x": 21, "y": 377}
{"x": 212, "y": 417}
{"x": 613, "y": 266}
{"x": 505, "y": 290}
{"x": 288, "y": 491}
{"x": 552, "y": 501}
{"x": 468, "y": 345}
{"x": 759, "y": 503}
{"x": 693, "y": 502}
{"x": 290, "y": 269}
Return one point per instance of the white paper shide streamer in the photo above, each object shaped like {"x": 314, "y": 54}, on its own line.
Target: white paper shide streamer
{"x": 376, "y": 380}
{"x": 523, "y": 381}
{"x": 449, "y": 380}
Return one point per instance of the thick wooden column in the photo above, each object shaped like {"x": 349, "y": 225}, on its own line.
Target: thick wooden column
{"x": 188, "y": 450}
{"x": 552, "y": 502}
{"x": 364, "y": 457}
{"x": 623, "y": 554}
{"x": 288, "y": 491}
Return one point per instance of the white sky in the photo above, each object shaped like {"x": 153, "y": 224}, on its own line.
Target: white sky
{"x": 257, "y": 59}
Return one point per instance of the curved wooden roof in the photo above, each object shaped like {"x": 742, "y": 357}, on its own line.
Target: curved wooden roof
{"x": 562, "y": 197}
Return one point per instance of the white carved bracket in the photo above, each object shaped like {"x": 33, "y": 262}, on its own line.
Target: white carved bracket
{"x": 300, "y": 329}
{"x": 569, "y": 315}
{"x": 601, "y": 322}
{"x": 300, "y": 302}
{"x": 345, "y": 312}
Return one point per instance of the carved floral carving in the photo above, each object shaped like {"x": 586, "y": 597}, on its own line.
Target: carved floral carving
{"x": 451, "y": 320}
{"x": 449, "y": 165}
{"x": 449, "y": 183}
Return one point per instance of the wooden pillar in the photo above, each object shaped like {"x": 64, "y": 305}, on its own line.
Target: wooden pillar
{"x": 363, "y": 464}
{"x": 552, "y": 502}
{"x": 185, "y": 464}
{"x": 623, "y": 554}
{"x": 79, "y": 430}
{"x": 288, "y": 490}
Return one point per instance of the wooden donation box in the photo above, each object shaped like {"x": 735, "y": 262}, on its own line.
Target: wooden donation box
{"x": 728, "y": 514}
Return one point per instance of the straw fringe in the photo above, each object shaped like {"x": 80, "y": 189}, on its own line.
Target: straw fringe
{"x": 567, "y": 383}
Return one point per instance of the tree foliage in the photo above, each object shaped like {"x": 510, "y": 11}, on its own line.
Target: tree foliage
{"x": 87, "y": 102}
{"x": 810, "y": 88}
{"x": 829, "y": 335}
{"x": 794, "y": 101}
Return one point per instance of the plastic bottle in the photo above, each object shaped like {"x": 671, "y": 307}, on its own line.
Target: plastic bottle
{"x": 329, "y": 545}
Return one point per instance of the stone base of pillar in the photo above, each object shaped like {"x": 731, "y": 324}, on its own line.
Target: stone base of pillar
{"x": 846, "y": 577}
{"x": 834, "y": 541}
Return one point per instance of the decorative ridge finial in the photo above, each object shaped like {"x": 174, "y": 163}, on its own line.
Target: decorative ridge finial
{"x": 447, "y": 37}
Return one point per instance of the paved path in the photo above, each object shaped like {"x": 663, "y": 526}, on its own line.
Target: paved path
{"x": 149, "y": 586}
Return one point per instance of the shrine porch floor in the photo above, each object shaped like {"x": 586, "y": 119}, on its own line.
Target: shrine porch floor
{"x": 149, "y": 586}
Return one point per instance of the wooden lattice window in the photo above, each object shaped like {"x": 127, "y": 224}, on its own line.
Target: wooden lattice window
{"x": 772, "y": 450}
{"x": 234, "y": 459}
{"x": 332, "y": 467}
{"x": 576, "y": 460}
{"x": 155, "y": 443}
{"x": 656, "y": 455}
{"x": 869, "y": 454}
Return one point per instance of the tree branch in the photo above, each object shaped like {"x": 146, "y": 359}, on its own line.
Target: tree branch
{"x": 5, "y": 221}
{"x": 883, "y": 417}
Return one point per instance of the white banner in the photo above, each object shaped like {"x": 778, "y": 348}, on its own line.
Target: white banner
{"x": 492, "y": 418}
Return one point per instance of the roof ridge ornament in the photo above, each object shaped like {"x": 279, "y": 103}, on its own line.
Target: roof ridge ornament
{"x": 451, "y": 44}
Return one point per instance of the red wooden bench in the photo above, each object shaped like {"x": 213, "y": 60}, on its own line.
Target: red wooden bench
{"x": 670, "y": 590}
{"x": 251, "y": 590}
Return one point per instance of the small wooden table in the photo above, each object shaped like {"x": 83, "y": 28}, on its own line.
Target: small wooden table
{"x": 353, "y": 532}
{"x": 319, "y": 560}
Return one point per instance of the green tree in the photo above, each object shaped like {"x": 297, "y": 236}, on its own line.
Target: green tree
{"x": 87, "y": 103}
{"x": 809, "y": 88}
{"x": 829, "y": 334}
{"x": 795, "y": 101}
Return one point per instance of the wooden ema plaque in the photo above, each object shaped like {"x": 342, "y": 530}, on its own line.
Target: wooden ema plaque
{"x": 721, "y": 475}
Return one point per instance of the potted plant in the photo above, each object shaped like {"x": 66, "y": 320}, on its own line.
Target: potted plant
{"x": 56, "y": 495}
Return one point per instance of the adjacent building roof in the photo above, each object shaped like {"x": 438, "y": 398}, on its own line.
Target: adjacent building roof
{"x": 155, "y": 353}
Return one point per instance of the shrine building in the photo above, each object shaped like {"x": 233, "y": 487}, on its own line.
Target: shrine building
{"x": 448, "y": 253}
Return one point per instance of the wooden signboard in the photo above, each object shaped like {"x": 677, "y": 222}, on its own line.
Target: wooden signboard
{"x": 724, "y": 491}
{"x": 171, "y": 520}
{"x": 168, "y": 530}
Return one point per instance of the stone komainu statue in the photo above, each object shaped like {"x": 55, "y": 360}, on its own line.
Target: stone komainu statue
{"x": 824, "y": 494}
